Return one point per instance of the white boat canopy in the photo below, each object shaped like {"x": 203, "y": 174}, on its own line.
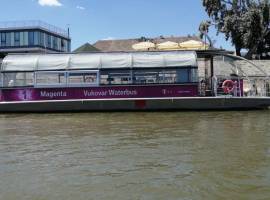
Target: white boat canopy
{"x": 42, "y": 62}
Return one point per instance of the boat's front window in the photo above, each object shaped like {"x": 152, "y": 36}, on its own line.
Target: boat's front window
{"x": 17, "y": 79}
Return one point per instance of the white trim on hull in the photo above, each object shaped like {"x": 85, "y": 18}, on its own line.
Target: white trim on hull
{"x": 139, "y": 104}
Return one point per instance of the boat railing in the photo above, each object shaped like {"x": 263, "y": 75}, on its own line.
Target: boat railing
{"x": 204, "y": 87}
{"x": 220, "y": 89}
{"x": 242, "y": 87}
{"x": 248, "y": 79}
{"x": 255, "y": 79}
{"x": 257, "y": 87}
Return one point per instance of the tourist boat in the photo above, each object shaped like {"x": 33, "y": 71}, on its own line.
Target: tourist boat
{"x": 130, "y": 81}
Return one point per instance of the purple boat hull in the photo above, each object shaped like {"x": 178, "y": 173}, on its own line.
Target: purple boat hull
{"x": 121, "y": 98}
{"x": 106, "y": 92}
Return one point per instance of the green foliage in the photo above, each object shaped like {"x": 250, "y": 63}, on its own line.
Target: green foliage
{"x": 204, "y": 28}
{"x": 245, "y": 22}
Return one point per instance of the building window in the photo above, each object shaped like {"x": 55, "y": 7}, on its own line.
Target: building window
{"x": 63, "y": 45}
{"x": 17, "y": 39}
{"x": 3, "y": 39}
{"x": 8, "y": 39}
{"x": 69, "y": 46}
{"x": 36, "y": 37}
{"x": 41, "y": 41}
{"x": 31, "y": 38}
{"x": 55, "y": 46}
{"x": 49, "y": 41}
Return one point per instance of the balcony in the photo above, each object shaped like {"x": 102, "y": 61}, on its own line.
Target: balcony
{"x": 33, "y": 24}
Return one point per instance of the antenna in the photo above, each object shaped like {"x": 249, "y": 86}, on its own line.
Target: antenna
{"x": 68, "y": 30}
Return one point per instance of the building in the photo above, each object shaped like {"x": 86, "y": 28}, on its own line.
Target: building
{"x": 126, "y": 44}
{"x": 86, "y": 48}
{"x": 32, "y": 37}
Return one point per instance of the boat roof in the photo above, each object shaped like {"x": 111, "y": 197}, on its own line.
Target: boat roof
{"x": 113, "y": 60}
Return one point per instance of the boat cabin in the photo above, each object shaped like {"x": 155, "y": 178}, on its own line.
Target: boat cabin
{"x": 97, "y": 69}
{"x": 143, "y": 74}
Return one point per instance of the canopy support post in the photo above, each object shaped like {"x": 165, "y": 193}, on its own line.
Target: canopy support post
{"x": 212, "y": 74}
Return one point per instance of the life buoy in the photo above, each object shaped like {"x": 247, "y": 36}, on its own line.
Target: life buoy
{"x": 228, "y": 86}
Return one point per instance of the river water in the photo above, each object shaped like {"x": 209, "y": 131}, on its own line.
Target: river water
{"x": 152, "y": 155}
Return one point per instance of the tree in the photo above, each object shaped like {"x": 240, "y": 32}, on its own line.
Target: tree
{"x": 204, "y": 29}
{"x": 245, "y": 22}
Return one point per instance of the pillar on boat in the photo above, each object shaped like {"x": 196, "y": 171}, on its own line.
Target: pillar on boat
{"x": 212, "y": 74}
{"x": 209, "y": 74}
{"x": 212, "y": 66}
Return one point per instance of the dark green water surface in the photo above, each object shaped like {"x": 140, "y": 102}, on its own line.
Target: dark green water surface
{"x": 162, "y": 155}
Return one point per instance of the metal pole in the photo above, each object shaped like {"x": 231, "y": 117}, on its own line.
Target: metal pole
{"x": 212, "y": 71}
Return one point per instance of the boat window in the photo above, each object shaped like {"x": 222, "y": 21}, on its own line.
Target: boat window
{"x": 115, "y": 77}
{"x": 146, "y": 76}
{"x": 165, "y": 76}
{"x": 194, "y": 75}
{"x": 1, "y": 80}
{"x": 52, "y": 79}
{"x": 183, "y": 76}
{"x": 16, "y": 79}
{"x": 168, "y": 76}
{"x": 83, "y": 78}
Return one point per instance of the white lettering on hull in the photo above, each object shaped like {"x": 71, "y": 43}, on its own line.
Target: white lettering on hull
{"x": 123, "y": 92}
{"x": 53, "y": 94}
{"x": 111, "y": 92}
{"x": 92, "y": 93}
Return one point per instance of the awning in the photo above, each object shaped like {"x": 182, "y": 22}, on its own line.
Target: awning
{"x": 168, "y": 46}
{"x": 143, "y": 46}
{"x": 48, "y": 62}
{"x": 193, "y": 45}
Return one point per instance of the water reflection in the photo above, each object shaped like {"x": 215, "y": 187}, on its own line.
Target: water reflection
{"x": 179, "y": 155}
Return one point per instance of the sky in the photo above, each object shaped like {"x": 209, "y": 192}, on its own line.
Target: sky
{"x": 93, "y": 20}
